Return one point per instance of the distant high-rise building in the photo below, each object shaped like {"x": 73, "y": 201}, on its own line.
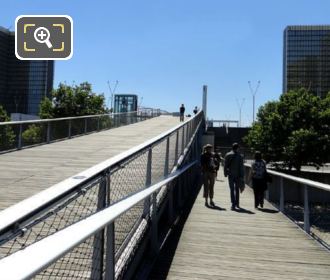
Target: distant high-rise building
{"x": 23, "y": 83}
{"x": 307, "y": 59}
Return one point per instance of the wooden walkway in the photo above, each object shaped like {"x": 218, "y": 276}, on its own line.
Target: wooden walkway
{"x": 29, "y": 171}
{"x": 248, "y": 244}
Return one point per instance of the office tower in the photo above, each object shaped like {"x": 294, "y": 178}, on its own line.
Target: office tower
{"x": 23, "y": 84}
{"x": 307, "y": 59}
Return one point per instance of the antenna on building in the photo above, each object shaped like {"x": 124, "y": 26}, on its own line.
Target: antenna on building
{"x": 112, "y": 91}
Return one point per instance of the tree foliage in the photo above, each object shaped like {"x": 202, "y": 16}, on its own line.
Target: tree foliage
{"x": 70, "y": 101}
{"x": 294, "y": 130}
{"x": 7, "y": 135}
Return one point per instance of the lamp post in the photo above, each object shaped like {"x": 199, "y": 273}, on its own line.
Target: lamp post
{"x": 253, "y": 92}
{"x": 240, "y": 105}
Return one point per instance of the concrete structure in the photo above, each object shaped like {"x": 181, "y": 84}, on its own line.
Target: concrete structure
{"x": 23, "y": 84}
{"x": 306, "y": 59}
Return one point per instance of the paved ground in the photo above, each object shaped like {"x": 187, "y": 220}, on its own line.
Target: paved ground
{"x": 29, "y": 171}
{"x": 247, "y": 244}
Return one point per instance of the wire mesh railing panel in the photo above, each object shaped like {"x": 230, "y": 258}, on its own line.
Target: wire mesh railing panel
{"x": 59, "y": 130}
{"x": 158, "y": 161}
{"x": 129, "y": 177}
{"x": 172, "y": 155}
{"x": 83, "y": 262}
{"x": 125, "y": 227}
{"x": 33, "y": 134}
{"x": 77, "y": 127}
{"x": 320, "y": 222}
{"x": 180, "y": 134}
{"x": 72, "y": 209}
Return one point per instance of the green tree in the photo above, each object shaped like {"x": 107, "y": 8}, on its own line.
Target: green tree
{"x": 293, "y": 130}
{"x": 7, "y": 135}
{"x": 70, "y": 101}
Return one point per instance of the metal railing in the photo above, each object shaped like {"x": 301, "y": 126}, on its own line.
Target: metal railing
{"x": 107, "y": 250}
{"x": 304, "y": 201}
{"x": 19, "y": 134}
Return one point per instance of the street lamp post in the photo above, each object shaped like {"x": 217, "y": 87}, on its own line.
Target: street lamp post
{"x": 253, "y": 92}
{"x": 240, "y": 105}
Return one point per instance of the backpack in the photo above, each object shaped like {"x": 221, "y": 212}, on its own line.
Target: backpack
{"x": 259, "y": 169}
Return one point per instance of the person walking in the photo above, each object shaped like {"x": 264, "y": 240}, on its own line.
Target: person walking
{"x": 195, "y": 110}
{"x": 209, "y": 170}
{"x": 182, "y": 110}
{"x": 259, "y": 179}
{"x": 234, "y": 170}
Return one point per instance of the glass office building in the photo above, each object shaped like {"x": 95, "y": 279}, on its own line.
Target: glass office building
{"x": 23, "y": 83}
{"x": 125, "y": 103}
{"x": 307, "y": 59}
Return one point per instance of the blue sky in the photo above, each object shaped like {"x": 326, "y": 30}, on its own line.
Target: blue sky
{"x": 164, "y": 51}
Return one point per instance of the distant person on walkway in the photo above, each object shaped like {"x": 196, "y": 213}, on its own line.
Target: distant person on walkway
{"x": 259, "y": 179}
{"x": 234, "y": 169}
{"x": 209, "y": 171}
{"x": 195, "y": 110}
{"x": 182, "y": 110}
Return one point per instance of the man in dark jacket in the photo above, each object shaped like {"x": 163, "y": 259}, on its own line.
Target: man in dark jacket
{"x": 234, "y": 169}
{"x": 182, "y": 110}
{"x": 208, "y": 163}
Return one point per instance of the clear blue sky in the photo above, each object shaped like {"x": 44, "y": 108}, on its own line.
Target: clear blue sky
{"x": 166, "y": 50}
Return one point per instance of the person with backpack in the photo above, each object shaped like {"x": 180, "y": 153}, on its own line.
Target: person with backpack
{"x": 259, "y": 179}
{"x": 234, "y": 170}
{"x": 208, "y": 164}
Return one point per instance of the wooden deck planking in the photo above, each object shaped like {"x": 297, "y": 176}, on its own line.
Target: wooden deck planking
{"x": 251, "y": 244}
{"x": 29, "y": 171}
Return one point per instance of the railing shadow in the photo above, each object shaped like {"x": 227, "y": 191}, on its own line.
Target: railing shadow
{"x": 164, "y": 260}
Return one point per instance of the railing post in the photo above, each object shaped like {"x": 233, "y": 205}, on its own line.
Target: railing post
{"x": 187, "y": 134}
{"x": 167, "y": 156}
{"x": 176, "y": 147}
{"x": 148, "y": 183}
{"x": 20, "y": 136}
{"x": 69, "y": 129}
{"x": 154, "y": 225}
{"x": 169, "y": 186}
{"x": 98, "y": 123}
{"x": 48, "y": 132}
{"x": 98, "y": 243}
{"x": 182, "y": 141}
{"x": 306, "y": 210}
{"x": 85, "y": 130}
{"x": 281, "y": 195}
{"x": 110, "y": 245}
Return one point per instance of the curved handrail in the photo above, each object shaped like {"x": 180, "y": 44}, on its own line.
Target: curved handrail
{"x": 61, "y": 242}
{"x": 15, "y": 214}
